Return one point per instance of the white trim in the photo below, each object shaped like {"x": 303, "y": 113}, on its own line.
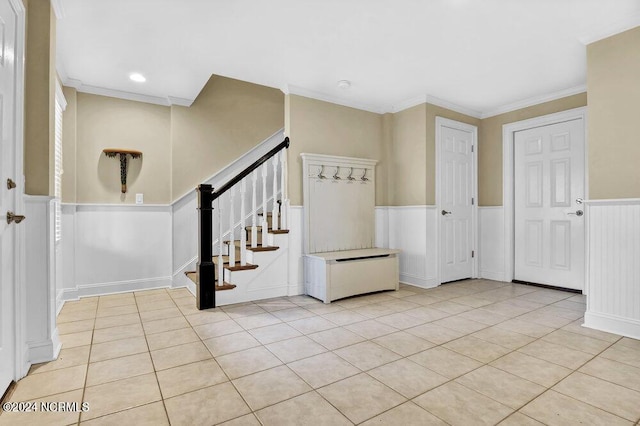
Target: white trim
{"x": 290, "y": 89}
{"x": 45, "y": 350}
{"x": 121, "y": 94}
{"x": 408, "y": 103}
{"x": 22, "y": 364}
{"x": 409, "y": 279}
{"x": 60, "y": 96}
{"x": 58, "y": 9}
{"x": 508, "y": 131}
{"x": 536, "y": 100}
{"x": 611, "y": 30}
{"x": 113, "y": 287}
{"x": 445, "y": 122}
{"x": 453, "y": 107}
{"x": 417, "y": 206}
{"x": 614, "y": 202}
{"x": 612, "y": 324}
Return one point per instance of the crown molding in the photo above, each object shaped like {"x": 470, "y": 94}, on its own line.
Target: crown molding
{"x": 408, "y": 103}
{"x": 453, "y": 107}
{"x": 121, "y": 94}
{"x": 58, "y": 9}
{"x": 611, "y": 30}
{"x": 535, "y": 101}
{"x": 290, "y": 89}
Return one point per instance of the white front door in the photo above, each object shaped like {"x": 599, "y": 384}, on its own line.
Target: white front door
{"x": 456, "y": 204}
{"x": 549, "y": 226}
{"x": 8, "y": 196}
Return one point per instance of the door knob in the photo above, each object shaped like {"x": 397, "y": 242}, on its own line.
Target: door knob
{"x": 11, "y": 217}
{"x": 444, "y": 212}
{"x": 577, "y": 213}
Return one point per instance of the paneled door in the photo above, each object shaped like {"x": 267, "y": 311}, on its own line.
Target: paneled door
{"x": 456, "y": 199}
{"x": 549, "y": 221}
{"x": 8, "y": 192}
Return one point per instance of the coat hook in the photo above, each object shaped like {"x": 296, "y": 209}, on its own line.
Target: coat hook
{"x": 336, "y": 177}
{"x": 364, "y": 176}
{"x": 321, "y": 175}
{"x": 350, "y": 173}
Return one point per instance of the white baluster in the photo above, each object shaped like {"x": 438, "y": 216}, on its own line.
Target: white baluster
{"x": 265, "y": 225}
{"x": 243, "y": 231}
{"x": 232, "y": 243}
{"x": 220, "y": 268}
{"x": 275, "y": 212}
{"x": 283, "y": 184}
{"x": 254, "y": 207}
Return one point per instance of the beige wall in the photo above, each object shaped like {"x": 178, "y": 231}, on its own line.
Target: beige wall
{"x": 323, "y": 128}
{"x": 40, "y": 78}
{"x": 407, "y": 157}
{"x": 613, "y": 84}
{"x": 228, "y": 118}
{"x": 69, "y": 121}
{"x": 490, "y": 144}
{"x": 104, "y": 122}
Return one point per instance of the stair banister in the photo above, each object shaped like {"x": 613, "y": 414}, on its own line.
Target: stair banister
{"x": 243, "y": 234}
{"x": 205, "y": 272}
{"x": 220, "y": 244}
{"x": 254, "y": 206}
{"x": 265, "y": 226}
{"x": 275, "y": 212}
{"x": 283, "y": 208}
{"x": 206, "y": 275}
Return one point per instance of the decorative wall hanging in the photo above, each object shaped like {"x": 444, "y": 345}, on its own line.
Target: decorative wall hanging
{"x": 122, "y": 153}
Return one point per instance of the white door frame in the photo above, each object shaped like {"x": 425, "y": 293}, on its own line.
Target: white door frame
{"x": 445, "y": 122}
{"x": 508, "y": 174}
{"x": 20, "y": 305}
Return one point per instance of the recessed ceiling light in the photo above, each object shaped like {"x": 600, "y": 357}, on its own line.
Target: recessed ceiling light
{"x": 344, "y": 84}
{"x": 137, "y": 77}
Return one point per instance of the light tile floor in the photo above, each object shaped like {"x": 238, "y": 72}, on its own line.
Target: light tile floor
{"x": 469, "y": 353}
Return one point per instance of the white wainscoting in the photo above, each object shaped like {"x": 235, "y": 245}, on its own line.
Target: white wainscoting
{"x": 491, "y": 253}
{"x": 296, "y": 236}
{"x": 613, "y": 266}
{"x": 112, "y": 249}
{"x": 411, "y": 229}
{"x": 43, "y": 343}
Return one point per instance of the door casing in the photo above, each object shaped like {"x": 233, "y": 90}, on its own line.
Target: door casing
{"x": 508, "y": 175}
{"x": 445, "y": 122}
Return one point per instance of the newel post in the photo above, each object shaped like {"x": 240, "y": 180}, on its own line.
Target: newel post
{"x": 206, "y": 275}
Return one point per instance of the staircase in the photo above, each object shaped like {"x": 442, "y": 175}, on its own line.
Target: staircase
{"x": 243, "y": 227}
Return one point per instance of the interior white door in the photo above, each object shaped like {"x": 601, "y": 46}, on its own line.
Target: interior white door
{"x": 8, "y": 198}
{"x": 549, "y": 226}
{"x": 456, "y": 205}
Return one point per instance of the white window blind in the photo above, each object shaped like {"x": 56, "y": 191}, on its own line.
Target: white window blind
{"x": 58, "y": 166}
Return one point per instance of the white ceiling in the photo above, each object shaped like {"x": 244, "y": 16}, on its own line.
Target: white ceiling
{"x": 480, "y": 55}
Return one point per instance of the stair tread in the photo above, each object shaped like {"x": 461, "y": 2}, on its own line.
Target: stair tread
{"x": 238, "y": 267}
{"x": 192, "y": 275}
{"x": 269, "y": 229}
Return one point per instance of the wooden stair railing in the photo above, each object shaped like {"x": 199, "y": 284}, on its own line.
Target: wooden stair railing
{"x": 271, "y": 221}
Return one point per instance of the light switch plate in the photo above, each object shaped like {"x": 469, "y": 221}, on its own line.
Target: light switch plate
{"x": 139, "y": 198}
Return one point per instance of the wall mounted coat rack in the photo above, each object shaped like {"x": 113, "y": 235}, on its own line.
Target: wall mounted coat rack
{"x": 122, "y": 153}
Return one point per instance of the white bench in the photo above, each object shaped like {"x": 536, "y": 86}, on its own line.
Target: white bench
{"x": 334, "y": 275}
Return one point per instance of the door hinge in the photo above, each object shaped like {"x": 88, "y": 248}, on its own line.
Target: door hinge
{"x": 473, "y": 253}
{"x": 473, "y": 201}
{"x": 472, "y": 148}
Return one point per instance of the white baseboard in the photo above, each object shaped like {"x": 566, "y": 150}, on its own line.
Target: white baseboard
{"x": 419, "y": 282}
{"x": 613, "y": 324}
{"x": 44, "y": 351}
{"x": 296, "y": 289}
{"x": 88, "y": 290}
{"x": 492, "y": 275}
{"x": 59, "y": 301}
